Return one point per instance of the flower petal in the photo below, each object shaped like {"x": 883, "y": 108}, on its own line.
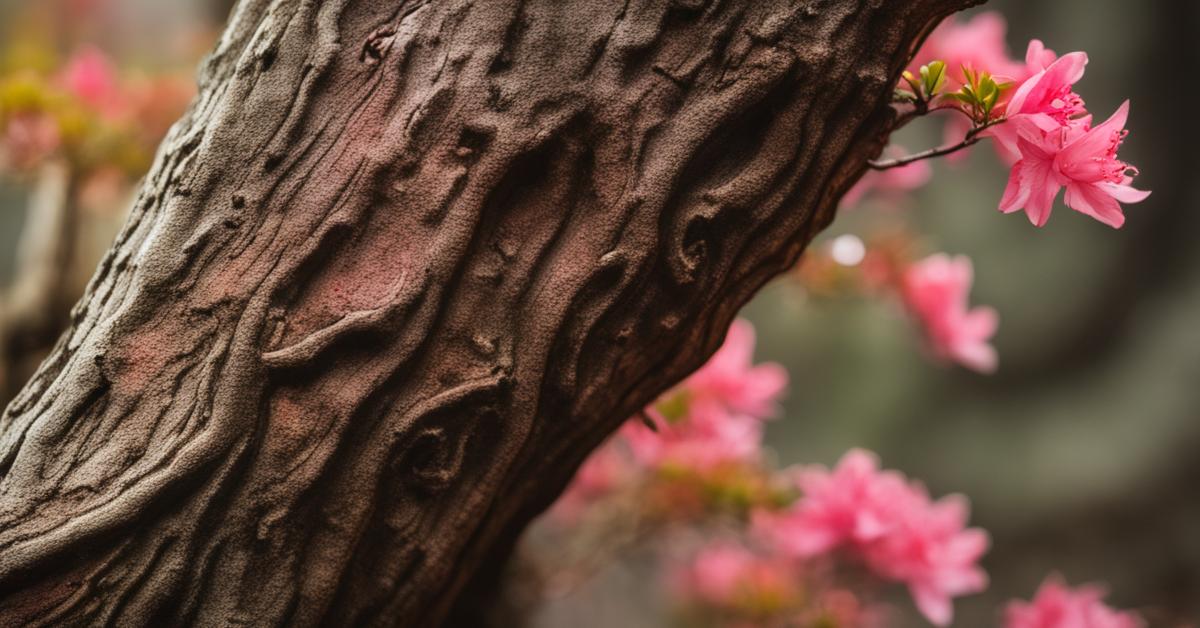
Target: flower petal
{"x": 1124, "y": 193}
{"x": 1095, "y": 201}
{"x": 1096, "y": 140}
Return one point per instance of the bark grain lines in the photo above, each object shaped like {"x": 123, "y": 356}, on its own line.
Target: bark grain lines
{"x": 400, "y": 267}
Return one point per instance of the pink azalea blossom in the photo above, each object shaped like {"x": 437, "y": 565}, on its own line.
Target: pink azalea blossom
{"x": 1079, "y": 157}
{"x": 1045, "y": 102}
{"x": 715, "y": 416}
{"x": 855, "y": 503}
{"x": 888, "y": 522}
{"x": 730, "y": 378}
{"x": 890, "y": 182}
{"x": 932, "y": 551}
{"x": 1057, "y": 606}
{"x": 90, "y": 76}
{"x": 28, "y": 139}
{"x": 844, "y": 609}
{"x": 935, "y": 291}
{"x": 706, "y": 438}
{"x": 604, "y": 470}
{"x": 728, "y": 575}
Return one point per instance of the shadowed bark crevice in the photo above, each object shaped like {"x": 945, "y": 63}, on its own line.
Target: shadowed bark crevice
{"x": 399, "y": 268}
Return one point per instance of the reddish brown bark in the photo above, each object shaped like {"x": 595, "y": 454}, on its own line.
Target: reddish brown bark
{"x": 398, "y": 270}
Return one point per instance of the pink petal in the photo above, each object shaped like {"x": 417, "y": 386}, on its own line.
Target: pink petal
{"x": 1015, "y": 194}
{"x": 933, "y": 604}
{"x": 1123, "y": 192}
{"x": 982, "y": 322}
{"x": 1094, "y": 201}
{"x": 1095, "y": 141}
{"x": 1043, "y": 187}
{"x": 1038, "y": 56}
{"x": 1067, "y": 70}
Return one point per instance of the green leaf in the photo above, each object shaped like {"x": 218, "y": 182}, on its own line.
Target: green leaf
{"x": 969, "y": 74}
{"x": 961, "y": 97}
{"x": 674, "y": 408}
{"x": 933, "y": 77}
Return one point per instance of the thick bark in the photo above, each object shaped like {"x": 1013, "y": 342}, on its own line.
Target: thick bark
{"x": 400, "y": 267}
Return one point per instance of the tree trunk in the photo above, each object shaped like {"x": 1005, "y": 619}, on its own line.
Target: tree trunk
{"x": 400, "y": 267}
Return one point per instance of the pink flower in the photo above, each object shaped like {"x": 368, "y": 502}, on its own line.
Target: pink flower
{"x": 703, "y": 440}
{"x": 1046, "y": 101}
{"x": 731, "y": 380}
{"x": 977, "y": 44}
{"x": 932, "y": 551}
{"x": 605, "y": 470}
{"x": 1056, "y": 606}
{"x": 855, "y": 503}
{"x": 890, "y": 182}
{"x": 727, "y": 575}
{"x": 28, "y": 139}
{"x": 1038, "y": 57}
{"x": 715, "y": 416}
{"x": 1076, "y": 156}
{"x": 890, "y": 524}
{"x": 844, "y": 609}
{"x": 90, "y": 76}
{"x": 935, "y": 290}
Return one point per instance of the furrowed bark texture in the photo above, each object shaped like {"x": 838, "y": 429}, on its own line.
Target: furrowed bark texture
{"x": 398, "y": 270}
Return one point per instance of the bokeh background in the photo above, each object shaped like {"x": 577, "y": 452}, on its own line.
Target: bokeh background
{"x": 1080, "y": 455}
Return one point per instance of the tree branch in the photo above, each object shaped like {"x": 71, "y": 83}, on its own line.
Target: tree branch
{"x": 972, "y": 137}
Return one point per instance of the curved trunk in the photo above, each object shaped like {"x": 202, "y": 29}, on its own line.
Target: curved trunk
{"x": 398, "y": 270}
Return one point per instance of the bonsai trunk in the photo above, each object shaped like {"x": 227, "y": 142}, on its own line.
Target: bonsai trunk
{"x": 400, "y": 267}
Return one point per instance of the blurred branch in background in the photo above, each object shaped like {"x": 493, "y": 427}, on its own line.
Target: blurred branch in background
{"x": 78, "y": 127}
{"x": 33, "y": 308}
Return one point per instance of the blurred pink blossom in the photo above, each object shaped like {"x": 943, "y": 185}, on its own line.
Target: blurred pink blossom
{"x": 935, "y": 290}
{"x": 977, "y": 43}
{"x": 604, "y": 470}
{"x": 855, "y": 503}
{"x": 933, "y": 552}
{"x": 888, "y": 522}
{"x": 1057, "y": 606}
{"x": 90, "y": 76}
{"x": 728, "y": 575}
{"x": 705, "y": 439}
{"x": 27, "y": 139}
{"x": 891, "y": 182}
{"x": 731, "y": 380}
{"x": 843, "y": 609}
{"x": 715, "y": 416}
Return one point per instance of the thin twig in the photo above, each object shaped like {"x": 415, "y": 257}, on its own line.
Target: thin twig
{"x": 921, "y": 108}
{"x": 971, "y": 138}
